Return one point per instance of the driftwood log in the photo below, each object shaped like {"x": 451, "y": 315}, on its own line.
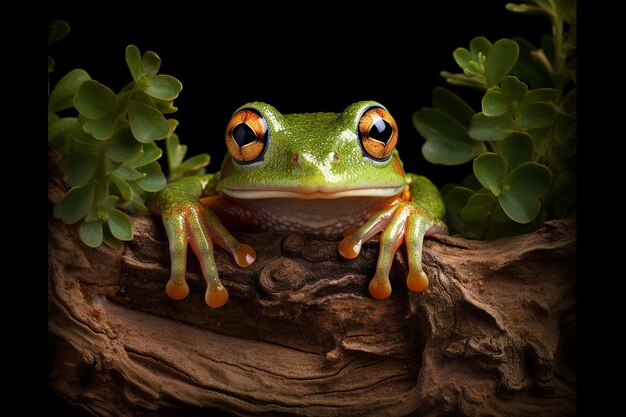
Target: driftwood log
{"x": 494, "y": 334}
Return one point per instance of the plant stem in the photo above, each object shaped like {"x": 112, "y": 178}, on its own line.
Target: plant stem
{"x": 560, "y": 55}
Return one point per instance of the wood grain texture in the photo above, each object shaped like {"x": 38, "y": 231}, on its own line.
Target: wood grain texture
{"x": 495, "y": 333}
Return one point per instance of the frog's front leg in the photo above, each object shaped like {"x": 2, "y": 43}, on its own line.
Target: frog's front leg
{"x": 409, "y": 221}
{"x": 188, "y": 221}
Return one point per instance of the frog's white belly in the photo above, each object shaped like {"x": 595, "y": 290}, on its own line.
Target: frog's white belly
{"x": 310, "y": 215}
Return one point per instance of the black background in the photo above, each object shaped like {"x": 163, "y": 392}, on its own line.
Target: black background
{"x": 301, "y": 57}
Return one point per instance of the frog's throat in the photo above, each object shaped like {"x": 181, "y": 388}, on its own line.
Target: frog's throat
{"x": 314, "y": 194}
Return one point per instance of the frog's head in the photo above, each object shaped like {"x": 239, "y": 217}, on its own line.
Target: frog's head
{"x": 312, "y": 155}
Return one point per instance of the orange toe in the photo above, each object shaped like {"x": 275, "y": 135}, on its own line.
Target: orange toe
{"x": 175, "y": 290}
{"x": 349, "y": 248}
{"x": 380, "y": 289}
{"x": 216, "y": 297}
{"x": 244, "y": 256}
{"x": 417, "y": 282}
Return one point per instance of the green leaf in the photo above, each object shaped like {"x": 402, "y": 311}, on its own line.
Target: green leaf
{"x": 163, "y": 87}
{"x": 547, "y": 46}
{"x": 530, "y": 179}
{"x": 79, "y": 168}
{"x": 195, "y": 162}
{"x": 500, "y": 216}
{"x": 58, "y": 133}
{"x": 57, "y": 30}
{"x": 480, "y": 45}
{"x": 541, "y": 139}
{"x": 173, "y": 124}
{"x": 122, "y": 186}
{"x": 524, "y": 8}
{"x": 137, "y": 202}
{"x": 146, "y": 123}
{"x": 545, "y": 4}
{"x": 165, "y": 106}
{"x": 108, "y": 238}
{"x": 151, "y": 152}
{"x": 192, "y": 166}
{"x": 536, "y": 115}
{"x": 175, "y": 151}
{"x": 463, "y": 80}
{"x": 151, "y": 63}
{"x": 77, "y": 132}
{"x": 463, "y": 57}
{"x": 91, "y": 233}
{"x": 522, "y": 190}
{"x": 516, "y": 149}
{"x": 75, "y": 204}
{"x": 500, "y": 60}
{"x": 144, "y": 98}
{"x": 566, "y": 10}
{"x": 123, "y": 146}
{"x": 478, "y": 206}
{"x": 457, "y": 198}
{"x": 519, "y": 209}
{"x": 487, "y": 128}
{"x": 62, "y": 95}
{"x": 109, "y": 201}
{"x": 154, "y": 179}
{"x": 447, "y": 141}
{"x": 490, "y": 169}
{"x": 495, "y": 103}
{"x": 101, "y": 129}
{"x": 111, "y": 166}
{"x": 119, "y": 224}
{"x": 94, "y": 100}
{"x": 449, "y": 103}
{"x": 127, "y": 173}
{"x": 51, "y": 65}
{"x": 513, "y": 88}
{"x": 540, "y": 95}
{"x": 133, "y": 60}
{"x": 470, "y": 181}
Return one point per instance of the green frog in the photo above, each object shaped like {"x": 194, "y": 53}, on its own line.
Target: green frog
{"x": 312, "y": 172}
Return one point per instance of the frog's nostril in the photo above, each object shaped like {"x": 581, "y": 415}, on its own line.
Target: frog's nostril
{"x": 295, "y": 159}
{"x": 335, "y": 157}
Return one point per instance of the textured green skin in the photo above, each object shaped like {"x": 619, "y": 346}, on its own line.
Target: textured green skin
{"x": 315, "y": 137}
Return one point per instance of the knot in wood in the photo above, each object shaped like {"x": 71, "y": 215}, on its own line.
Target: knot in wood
{"x": 282, "y": 277}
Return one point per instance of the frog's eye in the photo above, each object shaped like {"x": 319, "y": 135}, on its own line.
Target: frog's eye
{"x": 246, "y": 136}
{"x": 378, "y": 133}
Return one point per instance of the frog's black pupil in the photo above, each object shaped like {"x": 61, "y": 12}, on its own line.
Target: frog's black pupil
{"x": 381, "y": 130}
{"x": 243, "y": 134}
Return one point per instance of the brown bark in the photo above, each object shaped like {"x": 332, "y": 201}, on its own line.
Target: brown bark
{"x": 493, "y": 335}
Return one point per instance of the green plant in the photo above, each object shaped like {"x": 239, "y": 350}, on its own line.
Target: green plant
{"x": 109, "y": 152}
{"x": 522, "y": 142}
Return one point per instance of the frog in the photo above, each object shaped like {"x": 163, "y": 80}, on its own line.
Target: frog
{"x": 327, "y": 173}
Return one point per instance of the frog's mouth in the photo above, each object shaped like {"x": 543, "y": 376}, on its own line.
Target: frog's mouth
{"x": 313, "y": 194}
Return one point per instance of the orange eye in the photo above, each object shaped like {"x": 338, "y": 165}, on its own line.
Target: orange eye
{"x": 378, "y": 133}
{"x": 246, "y": 136}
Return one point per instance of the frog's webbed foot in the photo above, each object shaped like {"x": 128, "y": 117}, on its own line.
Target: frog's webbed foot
{"x": 192, "y": 223}
{"x": 403, "y": 222}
